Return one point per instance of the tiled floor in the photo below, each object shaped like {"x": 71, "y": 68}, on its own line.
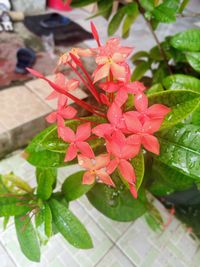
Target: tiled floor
{"x": 115, "y": 244}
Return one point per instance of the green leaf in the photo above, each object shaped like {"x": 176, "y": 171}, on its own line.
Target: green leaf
{"x": 39, "y": 217}
{"x": 116, "y": 21}
{"x": 46, "y": 150}
{"x": 139, "y": 55}
{"x": 156, "y": 88}
{"x": 166, "y": 12}
{"x": 183, "y": 5}
{"x": 69, "y": 226}
{"x": 73, "y": 188}
{"x": 181, "y": 102}
{"x": 188, "y": 40}
{"x": 180, "y": 149}
{"x": 160, "y": 73}
{"x": 78, "y": 3}
{"x": 47, "y": 220}
{"x": 151, "y": 221}
{"x": 132, "y": 13}
{"x": 166, "y": 180}
{"x": 181, "y": 81}
{"x": 193, "y": 59}
{"x": 147, "y": 4}
{"x": 140, "y": 70}
{"x": 46, "y": 179}
{"x": 5, "y": 222}
{"x": 138, "y": 165}
{"x": 117, "y": 203}
{"x": 27, "y": 238}
{"x": 195, "y": 119}
{"x": 12, "y": 206}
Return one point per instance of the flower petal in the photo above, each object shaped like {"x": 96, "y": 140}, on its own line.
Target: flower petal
{"x": 52, "y": 117}
{"x": 105, "y": 177}
{"x": 132, "y": 122}
{"x": 88, "y": 178}
{"x": 141, "y": 102}
{"x": 94, "y": 32}
{"x": 72, "y": 84}
{"x": 121, "y": 97}
{"x": 68, "y": 113}
{"x": 114, "y": 114}
{"x": 157, "y": 111}
{"x": 101, "y": 161}
{"x": 85, "y": 162}
{"x": 130, "y": 151}
{"x": 52, "y": 95}
{"x": 151, "y": 143}
{"x": 112, "y": 166}
{"x": 102, "y": 72}
{"x": 133, "y": 190}
{"x": 103, "y": 129}
{"x": 83, "y": 131}
{"x": 152, "y": 126}
{"x": 71, "y": 152}
{"x": 67, "y": 134}
{"x": 85, "y": 149}
{"x": 127, "y": 171}
{"x": 119, "y": 72}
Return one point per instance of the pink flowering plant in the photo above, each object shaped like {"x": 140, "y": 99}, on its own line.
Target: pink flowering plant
{"x": 127, "y": 130}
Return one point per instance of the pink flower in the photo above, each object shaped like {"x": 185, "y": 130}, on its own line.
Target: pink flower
{"x": 115, "y": 117}
{"x": 122, "y": 150}
{"x": 77, "y": 141}
{"x": 96, "y": 169}
{"x": 63, "y": 83}
{"x": 156, "y": 111}
{"x": 143, "y": 133}
{"x": 111, "y": 59}
{"x": 77, "y": 52}
{"x": 122, "y": 89}
{"x": 61, "y": 114}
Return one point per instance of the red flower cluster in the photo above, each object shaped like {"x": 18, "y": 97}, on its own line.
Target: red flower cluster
{"x": 124, "y": 132}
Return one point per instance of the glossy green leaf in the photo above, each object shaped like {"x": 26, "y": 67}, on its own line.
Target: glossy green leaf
{"x": 181, "y": 81}
{"x": 46, "y": 150}
{"x": 78, "y": 3}
{"x": 117, "y": 203}
{"x": 138, "y": 165}
{"x": 132, "y": 13}
{"x": 193, "y": 59}
{"x": 47, "y": 220}
{"x": 188, "y": 40}
{"x": 46, "y": 179}
{"x": 12, "y": 206}
{"x": 156, "y": 88}
{"x": 69, "y": 226}
{"x": 180, "y": 149}
{"x": 139, "y": 55}
{"x": 27, "y": 238}
{"x": 160, "y": 73}
{"x": 183, "y": 5}
{"x": 140, "y": 70}
{"x": 166, "y": 180}
{"x": 166, "y": 12}
{"x": 181, "y": 102}
{"x": 39, "y": 217}
{"x": 5, "y": 222}
{"x": 116, "y": 21}
{"x": 195, "y": 118}
{"x": 148, "y": 5}
{"x": 73, "y": 188}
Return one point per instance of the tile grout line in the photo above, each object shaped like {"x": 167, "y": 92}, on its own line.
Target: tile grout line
{"x": 7, "y": 252}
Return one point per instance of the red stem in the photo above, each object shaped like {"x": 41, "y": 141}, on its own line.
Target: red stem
{"x": 81, "y": 103}
{"x": 91, "y": 89}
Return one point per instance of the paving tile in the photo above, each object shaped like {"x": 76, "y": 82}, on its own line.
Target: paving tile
{"x": 134, "y": 243}
{"x": 19, "y": 106}
{"x": 2, "y": 129}
{"x": 115, "y": 258}
{"x": 58, "y": 252}
{"x": 6, "y": 261}
{"x": 112, "y": 228}
{"x": 42, "y": 89}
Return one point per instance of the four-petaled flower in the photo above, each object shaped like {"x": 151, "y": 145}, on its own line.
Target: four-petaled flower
{"x": 63, "y": 83}
{"x": 63, "y": 112}
{"x": 77, "y": 141}
{"x": 116, "y": 119}
{"x": 96, "y": 169}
